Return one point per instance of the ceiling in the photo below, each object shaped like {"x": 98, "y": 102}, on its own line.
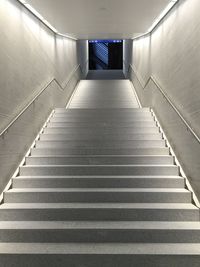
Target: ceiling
{"x": 100, "y": 19}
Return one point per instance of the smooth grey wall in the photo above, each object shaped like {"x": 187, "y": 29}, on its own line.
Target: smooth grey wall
{"x": 172, "y": 55}
{"x": 127, "y": 55}
{"x": 82, "y": 46}
{"x": 30, "y": 55}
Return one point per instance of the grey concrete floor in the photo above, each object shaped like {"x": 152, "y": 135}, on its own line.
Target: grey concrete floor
{"x": 105, "y": 75}
{"x": 104, "y": 94}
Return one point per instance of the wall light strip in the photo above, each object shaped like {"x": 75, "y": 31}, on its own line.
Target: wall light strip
{"x": 167, "y": 9}
{"x": 155, "y": 23}
{"x": 43, "y": 20}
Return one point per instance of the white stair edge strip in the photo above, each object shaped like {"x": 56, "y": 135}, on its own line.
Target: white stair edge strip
{"x": 9, "y": 184}
{"x": 149, "y": 249}
{"x": 182, "y": 173}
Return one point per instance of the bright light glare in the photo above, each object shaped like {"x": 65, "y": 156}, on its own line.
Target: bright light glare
{"x": 22, "y": 1}
{"x": 158, "y": 19}
{"x": 67, "y": 36}
{"x": 31, "y": 23}
{"x": 37, "y": 14}
{"x": 163, "y": 13}
{"x": 50, "y": 26}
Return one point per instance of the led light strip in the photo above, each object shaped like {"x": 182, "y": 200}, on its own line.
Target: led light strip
{"x": 15, "y": 174}
{"x": 158, "y": 19}
{"x": 43, "y": 20}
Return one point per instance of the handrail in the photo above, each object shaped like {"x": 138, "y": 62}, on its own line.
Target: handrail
{"x": 152, "y": 78}
{"x": 36, "y": 96}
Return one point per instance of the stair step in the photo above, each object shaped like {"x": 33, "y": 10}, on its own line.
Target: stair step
{"x": 95, "y": 195}
{"x": 99, "y": 212}
{"x": 105, "y": 159}
{"x": 98, "y": 255}
{"x": 93, "y": 111}
{"x": 100, "y": 151}
{"x": 114, "y": 112}
{"x": 101, "y": 119}
{"x": 77, "y": 136}
{"x": 100, "y": 144}
{"x": 96, "y": 113}
{"x": 99, "y": 170}
{"x": 102, "y": 104}
{"x": 102, "y": 116}
{"x": 103, "y": 125}
{"x": 104, "y": 131}
{"x": 98, "y": 182}
{"x": 99, "y": 232}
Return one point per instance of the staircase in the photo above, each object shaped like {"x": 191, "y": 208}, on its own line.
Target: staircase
{"x": 99, "y": 189}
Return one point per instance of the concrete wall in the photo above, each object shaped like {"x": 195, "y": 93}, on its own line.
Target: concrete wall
{"x": 127, "y": 55}
{"x": 30, "y": 55}
{"x": 82, "y": 46}
{"x": 172, "y": 55}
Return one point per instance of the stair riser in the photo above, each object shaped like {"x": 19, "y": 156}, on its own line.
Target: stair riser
{"x": 99, "y": 235}
{"x": 98, "y": 260}
{"x": 111, "y": 112}
{"x": 100, "y": 214}
{"x": 72, "y": 113}
{"x": 100, "y": 104}
{"x": 99, "y": 160}
{"x": 98, "y": 183}
{"x": 106, "y": 151}
{"x": 97, "y": 197}
{"x": 99, "y": 170}
{"x": 90, "y": 144}
{"x": 105, "y": 132}
{"x": 108, "y": 137}
{"x": 89, "y": 111}
{"x": 100, "y": 120}
{"x": 92, "y": 125}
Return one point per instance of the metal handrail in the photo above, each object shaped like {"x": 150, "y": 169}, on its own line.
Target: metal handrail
{"x": 36, "y": 96}
{"x": 152, "y": 78}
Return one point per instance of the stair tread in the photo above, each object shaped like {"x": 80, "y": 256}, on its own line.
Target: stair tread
{"x": 99, "y": 151}
{"x": 60, "y": 190}
{"x": 106, "y": 205}
{"x": 93, "y": 142}
{"x": 106, "y": 109}
{"x": 101, "y": 156}
{"x": 151, "y": 225}
{"x": 101, "y": 248}
{"x": 101, "y": 165}
{"x": 98, "y": 176}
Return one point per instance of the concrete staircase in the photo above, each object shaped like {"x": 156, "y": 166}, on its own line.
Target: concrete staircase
{"x": 99, "y": 189}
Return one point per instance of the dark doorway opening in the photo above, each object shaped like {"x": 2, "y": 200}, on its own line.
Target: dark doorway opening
{"x": 105, "y": 54}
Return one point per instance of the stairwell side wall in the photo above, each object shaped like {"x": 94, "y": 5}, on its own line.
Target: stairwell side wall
{"x": 30, "y": 56}
{"x": 83, "y": 56}
{"x": 172, "y": 55}
{"x": 127, "y": 56}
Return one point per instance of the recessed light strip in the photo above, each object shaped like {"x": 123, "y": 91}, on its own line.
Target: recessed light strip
{"x": 159, "y": 18}
{"x": 43, "y": 20}
{"x": 155, "y": 23}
